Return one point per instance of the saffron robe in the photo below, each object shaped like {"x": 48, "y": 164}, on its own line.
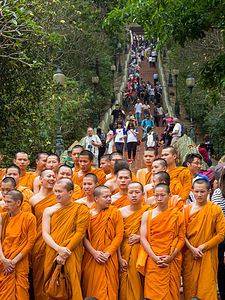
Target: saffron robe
{"x": 144, "y": 177}
{"x": 76, "y": 192}
{"x": 206, "y": 226}
{"x": 180, "y": 182}
{"x": 27, "y": 180}
{"x": 27, "y": 194}
{"x": 2, "y": 174}
{"x": 166, "y": 232}
{"x": 38, "y": 251}
{"x": 18, "y": 236}
{"x": 68, "y": 227}
{"x": 131, "y": 285}
{"x": 78, "y": 179}
{"x": 105, "y": 234}
{"x": 175, "y": 202}
{"x": 120, "y": 201}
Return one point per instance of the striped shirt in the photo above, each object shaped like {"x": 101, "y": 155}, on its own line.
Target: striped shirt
{"x": 217, "y": 198}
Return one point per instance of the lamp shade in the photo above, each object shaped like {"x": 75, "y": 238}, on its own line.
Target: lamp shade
{"x": 95, "y": 79}
{"x": 119, "y": 45}
{"x": 176, "y": 71}
{"x": 59, "y": 77}
{"x": 113, "y": 68}
{"x": 190, "y": 81}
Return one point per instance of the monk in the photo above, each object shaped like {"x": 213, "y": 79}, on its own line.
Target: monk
{"x": 7, "y": 184}
{"x": 131, "y": 286}
{"x": 40, "y": 160}
{"x": 105, "y": 165}
{"x": 65, "y": 171}
{"x": 86, "y": 159}
{"x": 180, "y": 177}
{"x": 22, "y": 161}
{"x": 144, "y": 175}
{"x": 52, "y": 163}
{"x": 158, "y": 165}
{"x": 14, "y": 172}
{"x": 2, "y": 170}
{"x": 162, "y": 237}
{"x": 100, "y": 262}
{"x": 39, "y": 202}
{"x": 205, "y": 228}
{"x": 17, "y": 236}
{"x": 112, "y": 183}
{"x": 175, "y": 201}
{"x": 64, "y": 226}
{"x": 76, "y": 150}
{"x": 90, "y": 181}
{"x": 123, "y": 178}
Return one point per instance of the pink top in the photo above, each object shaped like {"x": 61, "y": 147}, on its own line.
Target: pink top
{"x": 109, "y": 135}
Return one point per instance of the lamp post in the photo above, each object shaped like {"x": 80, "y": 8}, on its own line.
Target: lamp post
{"x": 113, "y": 69}
{"x": 119, "y": 49}
{"x": 170, "y": 80}
{"x": 59, "y": 78}
{"x": 177, "y": 104}
{"x": 190, "y": 82}
{"x": 95, "y": 81}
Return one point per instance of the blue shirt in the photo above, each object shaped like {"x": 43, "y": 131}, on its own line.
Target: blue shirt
{"x": 147, "y": 123}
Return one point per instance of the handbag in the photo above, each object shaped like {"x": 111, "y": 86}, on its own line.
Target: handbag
{"x": 59, "y": 285}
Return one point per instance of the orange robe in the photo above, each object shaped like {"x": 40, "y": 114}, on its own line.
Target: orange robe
{"x": 144, "y": 176}
{"x": 76, "y": 192}
{"x": 105, "y": 234}
{"x": 150, "y": 193}
{"x": 120, "y": 201}
{"x": 38, "y": 251}
{"x": 165, "y": 233}
{"x": 2, "y": 174}
{"x": 180, "y": 182}
{"x": 27, "y": 194}
{"x": 131, "y": 285}
{"x": 18, "y": 236}
{"x": 206, "y": 226}
{"x": 27, "y": 180}
{"x": 77, "y": 179}
{"x": 68, "y": 227}
{"x": 175, "y": 202}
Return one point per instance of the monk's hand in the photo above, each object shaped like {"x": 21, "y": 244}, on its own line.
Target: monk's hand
{"x": 8, "y": 266}
{"x": 166, "y": 259}
{"x": 123, "y": 265}
{"x": 60, "y": 260}
{"x": 196, "y": 253}
{"x": 134, "y": 239}
{"x": 100, "y": 257}
{"x": 64, "y": 252}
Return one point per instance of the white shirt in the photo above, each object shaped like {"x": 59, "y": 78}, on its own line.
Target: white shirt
{"x": 88, "y": 146}
{"x": 177, "y": 127}
{"x": 131, "y": 135}
{"x": 119, "y": 135}
{"x": 138, "y": 107}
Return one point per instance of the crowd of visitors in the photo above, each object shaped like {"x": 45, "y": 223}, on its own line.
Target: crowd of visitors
{"x": 76, "y": 231}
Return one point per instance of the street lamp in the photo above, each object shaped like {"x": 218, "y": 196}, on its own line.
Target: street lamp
{"x": 170, "y": 80}
{"x": 113, "y": 69}
{"x": 190, "y": 82}
{"x": 59, "y": 79}
{"x": 119, "y": 49}
{"x": 95, "y": 81}
{"x": 177, "y": 104}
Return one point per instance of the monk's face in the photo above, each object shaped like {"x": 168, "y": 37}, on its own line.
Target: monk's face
{"x": 14, "y": 173}
{"x": 149, "y": 157}
{"x": 200, "y": 192}
{"x": 194, "y": 166}
{"x": 41, "y": 162}
{"x": 114, "y": 159}
{"x": 134, "y": 193}
{"x": 85, "y": 163}
{"x": 161, "y": 197}
{"x": 75, "y": 155}
{"x": 48, "y": 179}
{"x": 21, "y": 161}
{"x": 169, "y": 157}
{"x": 104, "y": 200}
{"x": 61, "y": 193}
{"x": 52, "y": 163}
{"x": 89, "y": 185}
{"x": 105, "y": 165}
{"x": 64, "y": 172}
{"x": 123, "y": 179}
{"x": 157, "y": 167}
{"x": 11, "y": 205}
{"x": 6, "y": 187}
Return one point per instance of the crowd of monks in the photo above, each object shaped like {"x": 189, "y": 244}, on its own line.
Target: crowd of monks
{"x": 115, "y": 234}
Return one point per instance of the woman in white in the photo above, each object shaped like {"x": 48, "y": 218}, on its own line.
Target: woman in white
{"x": 132, "y": 133}
{"x": 109, "y": 139}
{"x": 120, "y": 134}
